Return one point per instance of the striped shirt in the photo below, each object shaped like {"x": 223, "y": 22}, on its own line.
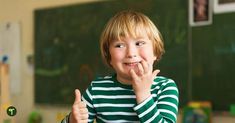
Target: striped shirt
{"x": 109, "y": 101}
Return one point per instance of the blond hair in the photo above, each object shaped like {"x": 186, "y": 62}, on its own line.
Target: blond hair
{"x": 130, "y": 23}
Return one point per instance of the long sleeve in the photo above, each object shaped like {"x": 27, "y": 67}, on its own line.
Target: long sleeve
{"x": 87, "y": 98}
{"x": 161, "y": 106}
{"x": 66, "y": 119}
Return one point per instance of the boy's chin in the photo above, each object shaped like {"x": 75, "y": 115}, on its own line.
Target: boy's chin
{"x": 125, "y": 77}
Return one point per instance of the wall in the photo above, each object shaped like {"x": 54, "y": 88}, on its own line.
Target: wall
{"x": 22, "y": 11}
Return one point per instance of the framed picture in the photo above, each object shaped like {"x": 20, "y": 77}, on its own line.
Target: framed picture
{"x": 222, "y": 6}
{"x": 200, "y": 12}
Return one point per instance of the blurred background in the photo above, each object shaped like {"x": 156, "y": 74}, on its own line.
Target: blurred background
{"x": 50, "y": 47}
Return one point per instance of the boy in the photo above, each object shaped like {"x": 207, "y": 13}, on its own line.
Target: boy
{"x": 130, "y": 44}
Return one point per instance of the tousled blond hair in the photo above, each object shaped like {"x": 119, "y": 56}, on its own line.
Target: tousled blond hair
{"x": 130, "y": 23}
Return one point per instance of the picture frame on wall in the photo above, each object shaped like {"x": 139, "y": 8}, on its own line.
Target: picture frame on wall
{"x": 224, "y": 6}
{"x": 200, "y": 12}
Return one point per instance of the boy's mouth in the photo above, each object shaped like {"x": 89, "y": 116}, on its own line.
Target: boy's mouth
{"x": 131, "y": 64}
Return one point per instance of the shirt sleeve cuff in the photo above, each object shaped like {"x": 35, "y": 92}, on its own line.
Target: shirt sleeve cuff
{"x": 147, "y": 101}
{"x": 66, "y": 119}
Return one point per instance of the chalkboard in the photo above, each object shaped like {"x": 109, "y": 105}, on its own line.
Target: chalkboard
{"x": 214, "y": 62}
{"x": 67, "y": 54}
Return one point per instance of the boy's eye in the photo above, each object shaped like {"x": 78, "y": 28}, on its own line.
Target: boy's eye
{"x": 140, "y": 43}
{"x": 119, "y": 45}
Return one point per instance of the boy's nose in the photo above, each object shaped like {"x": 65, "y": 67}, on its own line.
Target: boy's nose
{"x": 131, "y": 52}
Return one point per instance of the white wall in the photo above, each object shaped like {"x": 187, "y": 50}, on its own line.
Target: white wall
{"x": 22, "y": 11}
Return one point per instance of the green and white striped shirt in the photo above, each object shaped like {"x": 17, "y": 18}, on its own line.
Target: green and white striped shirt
{"x": 110, "y": 101}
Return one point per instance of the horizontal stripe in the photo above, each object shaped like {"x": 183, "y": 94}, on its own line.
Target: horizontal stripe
{"x": 89, "y": 94}
{"x": 143, "y": 103}
{"x": 170, "y": 88}
{"x": 155, "y": 88}
{"x": 168, "y": 82}
{"x": 118, "y": 113}
{"x": 107, "y": 88}
{"x": 152, "y": 118}
{"x": 90, "y": 120}
{"x": 169, "y": 112}
{"x": 169, "y": 96}
{"x": 169, "y": 104}
{"x": 113, "y": 105}
{"x": 88, "y": 104}
{"x": 109, "y": 101}
{"x": 100, "y": 82}
{"x": 148, "y": 110}
{"x": 117, "y": 121}
{"x": 93, "y": 114}
{"x": 114, "y": 97}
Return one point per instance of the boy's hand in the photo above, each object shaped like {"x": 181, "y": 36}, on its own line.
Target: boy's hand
{"x": 142, "y": 79}
{"x": 79, "y": 112}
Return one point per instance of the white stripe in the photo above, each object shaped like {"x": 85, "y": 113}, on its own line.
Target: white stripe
{"x": 169, "y": 112}
{"x": 160, "y": 91}
{"x": 89, "y": 94}
{"x": 143, "y": 103}
{"x": 148, "y": 110}
{"x": 90, "y": 97}
{"x": 164, "y": 80}
{"x": 89, "y": 120}
{"x": 116, "y": 121}
{"x": 104, "y": 81}
{"x": 93, "y": 114}
{"x": 161, "y": 77}
{"x": 154, "y": 95}
{"x": 171, "y": 96}
{"x": 118, "y": 113}
{"x": 88, "y": 104}
{"x": 107, "y": 77}
{"x": 108, "y": 88}
{"x": 169, "y": 103}
{"x": 155, "y": 88}
{"x": 152, "y": 118}
{"x": 170, "y": 88}
{"x": 114, "y": 97}
{"x": 113, "y": 105}
{"x": 168, "y": 82}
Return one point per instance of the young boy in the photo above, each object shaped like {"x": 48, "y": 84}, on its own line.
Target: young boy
{"x": 130, "y": 44}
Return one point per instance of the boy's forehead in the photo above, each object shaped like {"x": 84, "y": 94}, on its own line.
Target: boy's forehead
{"x": 133, "y": 31}
{"x": 135, "y": 37}
{"x": 135, "y": 34}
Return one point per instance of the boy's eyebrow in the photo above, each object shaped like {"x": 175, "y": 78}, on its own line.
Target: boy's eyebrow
{"x": 142, "y": 38}
{"x": 116, "y": 41}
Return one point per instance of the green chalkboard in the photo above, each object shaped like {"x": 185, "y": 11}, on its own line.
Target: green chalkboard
{"x": 214, "y": 62}
{"x": 67, "y": 45}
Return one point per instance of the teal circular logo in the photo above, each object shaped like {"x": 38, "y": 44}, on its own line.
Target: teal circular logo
{"x": 11, "y": 111}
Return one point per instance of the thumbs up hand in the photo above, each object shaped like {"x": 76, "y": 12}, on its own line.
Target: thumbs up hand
{"x": 79, "y": 112}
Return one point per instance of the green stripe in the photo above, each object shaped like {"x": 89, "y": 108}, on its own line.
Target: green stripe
{"x": 124, "y": 90}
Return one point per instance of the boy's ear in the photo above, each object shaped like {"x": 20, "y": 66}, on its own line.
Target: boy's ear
{"x": 155, "y": 57}
{"x": 110, "y": 64}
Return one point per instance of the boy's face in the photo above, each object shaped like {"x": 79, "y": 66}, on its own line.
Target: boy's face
{"x": 127, "y": 53}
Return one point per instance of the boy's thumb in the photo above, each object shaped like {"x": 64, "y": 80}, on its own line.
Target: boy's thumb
{"x": 77, "y": 96}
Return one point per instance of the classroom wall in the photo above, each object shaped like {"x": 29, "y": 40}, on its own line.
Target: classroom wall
{"x": 22, "y": 11}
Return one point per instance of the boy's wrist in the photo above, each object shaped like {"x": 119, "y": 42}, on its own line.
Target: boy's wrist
{"x": 140, "y": 97}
